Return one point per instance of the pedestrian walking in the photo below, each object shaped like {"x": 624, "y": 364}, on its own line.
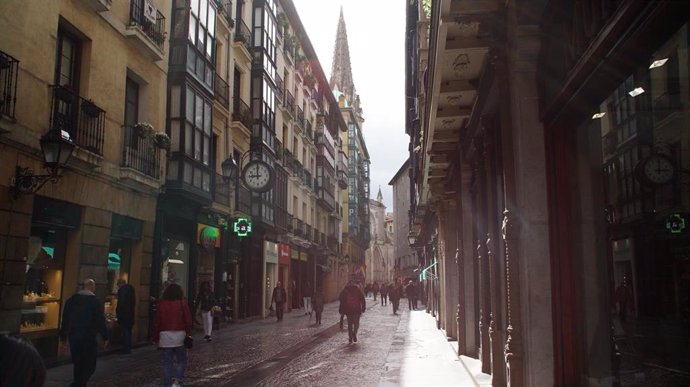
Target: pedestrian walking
{"x": 411, "y": 294}
{"x": 367, "y": 289}
{"x": 82, "y": 320}
{"x": 125, "y": 313}
{"x": 394, "y": 294}
{"x": 352, "y": 303}
{"x": 384, "y": 294}
{"x": 279, "y": 297}
{"x": 375, "y": 289}
{"x": 205, "y": 304}
{"x": 306, "y": 294}
{"x": 317, "y": 303}
{"x": 171, "y": 325}
{"x": 20, "y": 363}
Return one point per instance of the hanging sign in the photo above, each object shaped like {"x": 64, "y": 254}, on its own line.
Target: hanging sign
{"x": 242, "y": 227}
{"x": 207, "y": 236}
{"x": 675, "y": 223}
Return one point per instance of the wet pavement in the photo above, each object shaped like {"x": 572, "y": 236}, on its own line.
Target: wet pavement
{"x": 404, "y": 349}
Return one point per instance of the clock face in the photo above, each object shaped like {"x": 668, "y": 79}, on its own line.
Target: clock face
{"x": 258, "y": 176}
{"x": 658, "y": 169}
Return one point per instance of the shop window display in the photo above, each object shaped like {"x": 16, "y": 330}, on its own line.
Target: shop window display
{"x": 43, "y": 289}
{"x": 119, "y": 261}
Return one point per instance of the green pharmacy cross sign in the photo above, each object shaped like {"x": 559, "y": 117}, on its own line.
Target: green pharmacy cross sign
{"x": 242, "y": 227}
{"x": 675, "y": 224}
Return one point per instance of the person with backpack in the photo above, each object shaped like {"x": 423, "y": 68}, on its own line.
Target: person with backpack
{"x": 352, "y": 304}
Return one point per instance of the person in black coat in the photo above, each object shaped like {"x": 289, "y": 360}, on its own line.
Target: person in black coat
{"x": 82, "y": 320}
{"x": 125, "y": 313}
{"x": 352, "y": 304}
{"x": 279, "y": 297}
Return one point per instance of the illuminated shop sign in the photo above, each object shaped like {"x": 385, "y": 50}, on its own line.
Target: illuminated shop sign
{"x": 242, "y": 227}
{"x": 676, "y": 223}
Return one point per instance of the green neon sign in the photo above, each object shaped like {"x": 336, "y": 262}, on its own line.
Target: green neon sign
{"x": 675, "y": 224}
{"x": 242, "y": 227}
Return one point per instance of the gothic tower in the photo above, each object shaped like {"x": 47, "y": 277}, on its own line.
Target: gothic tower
{"x": 341, "y": 71}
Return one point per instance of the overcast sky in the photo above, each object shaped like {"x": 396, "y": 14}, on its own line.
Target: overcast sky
{"x": 376, "y": 34}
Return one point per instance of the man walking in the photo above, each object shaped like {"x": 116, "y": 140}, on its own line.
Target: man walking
{"x": 279, "y": 297}
{"x": 394, "y": 294}
{"x": 125, "y": 313}
{"x": 411, "y": 294}
{"x": 384, "y": 294}
{"x": 82, "y": 319}
{"x": 352, "y": 303}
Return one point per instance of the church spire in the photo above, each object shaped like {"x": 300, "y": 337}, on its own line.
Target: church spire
{"x": 379, "y": 197}
{"x": 341, "y": 71}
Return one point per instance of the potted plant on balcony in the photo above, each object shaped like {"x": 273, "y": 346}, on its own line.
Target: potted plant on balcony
{"x": 143, "y": 130}
{"x": 90, "y": 109}
{"x": 161, "y": 140}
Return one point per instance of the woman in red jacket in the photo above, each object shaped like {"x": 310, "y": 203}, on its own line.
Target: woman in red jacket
{"x": 173, "y": 322}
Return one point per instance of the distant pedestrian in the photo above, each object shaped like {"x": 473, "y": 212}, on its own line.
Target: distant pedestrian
{"x": 306, "y": 294}
{"x": 82, "y": 320}
{"x": 394, "y": 294}
{"x": 125, "y": 313}
{"x": 20, "y": 363}
{"x": 279, "y": 297}
{"x": 205, "y": 304}
{"x": 384, "y": 293}
{"x": 352, "y": 303}
{"x": 411, "y": 294}
{"x": 367, "y": 290}
{"x": 375, "y": 290}
{"x": 171, "y": 325}
{"x": 317, "y": 303}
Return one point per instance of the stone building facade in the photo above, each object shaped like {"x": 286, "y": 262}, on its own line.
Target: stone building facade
{"x": 380, "y": 258}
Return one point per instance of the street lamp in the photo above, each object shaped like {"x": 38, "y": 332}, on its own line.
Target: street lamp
{"x": 57, "y": 148}
{"x": 412, "y": 239}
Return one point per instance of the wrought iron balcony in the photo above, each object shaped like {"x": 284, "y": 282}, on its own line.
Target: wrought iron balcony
{"x": 307, "y": 179}
{"x": 82, "y": 119}
{"x": 290, "y": 103}
{"x": 243, "y": 34}
{"x": 297, "y": 227}
{"x": 140, "y": 153}
{"x": 225, "y": 10}
{"x": 241, "y": 113}
{"x": 152, "y": 26}
{"x": 308, "y": 234}
{"x": 9, "y": 68}
{"x": 222, "y": 90}
{"x": 341, "y": 176}
{"x": 300, "y": 117}
{"x": 290, "y": 224}
{"x": 280, "y": 88}
{"x": 310, "y": 131}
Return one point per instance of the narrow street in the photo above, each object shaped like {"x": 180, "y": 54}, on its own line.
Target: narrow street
{"x": 403, "y": 349}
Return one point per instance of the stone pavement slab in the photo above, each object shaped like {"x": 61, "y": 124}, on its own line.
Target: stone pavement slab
{"x": 421, "y": 356}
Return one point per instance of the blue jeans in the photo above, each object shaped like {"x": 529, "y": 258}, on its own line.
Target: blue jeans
{"x": 180, "y": 353}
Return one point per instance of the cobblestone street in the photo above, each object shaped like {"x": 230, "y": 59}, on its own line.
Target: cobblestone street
{"x": 295, "y": 352}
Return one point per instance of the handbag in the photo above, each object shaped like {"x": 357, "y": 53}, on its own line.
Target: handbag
{"x": 188, "y": 340}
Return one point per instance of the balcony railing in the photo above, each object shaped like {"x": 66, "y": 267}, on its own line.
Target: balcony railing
{"x": 310, "y": 131}
{"x": 140, "y": 153}
{"x": 307, "y": 179}
{"x": 290, "y": 224}
{"x": 342, "y": 179}
{"x": 9, "y": 68}
{"x": 151, "y": 25}
{"x": 225, "y": 10}
{"x": 243, "y": 34}
{"x": 280, "y": 88}
{"x": 221, "y": 190}
{"x": 82, "y": 119}
{"x": 290, "y": 103}
{"x": 241, "y": 113}
{"x": 222, "y": 90}
{"x": 308, "y": 234}
{"x": 300, "y": 117}
{"x": 245, "y": 200}
{"x": 297, "y": 227}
